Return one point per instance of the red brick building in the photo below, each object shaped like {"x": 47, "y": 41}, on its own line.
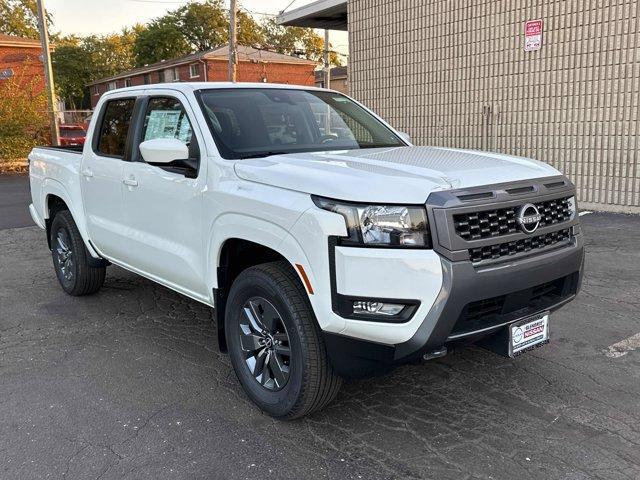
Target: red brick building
{"x": 254, "y": 65}
{"x": 20, "y": 60}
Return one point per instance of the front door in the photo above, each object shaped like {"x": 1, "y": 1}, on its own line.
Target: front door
{"x": 101, "y": 177}
{"x": 163, "y": 205}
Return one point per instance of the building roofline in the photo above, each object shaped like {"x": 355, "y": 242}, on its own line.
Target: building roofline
{"x": 329, "y": 14}
{"x": 200, "y": 57}
{"x": 22, "y": 42}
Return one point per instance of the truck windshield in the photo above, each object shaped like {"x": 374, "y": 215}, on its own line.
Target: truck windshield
{"x": 258, "y": 122}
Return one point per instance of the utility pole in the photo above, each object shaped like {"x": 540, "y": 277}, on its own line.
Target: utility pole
{"x": 233, "y": 47}
{"x": 327, "y": 67}
{"x": 48, "y": 72}
{"x": 327, "y": 82}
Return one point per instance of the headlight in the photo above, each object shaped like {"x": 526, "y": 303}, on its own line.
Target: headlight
{"x": 573, "y": 207}
{"x": 382, "y": 225}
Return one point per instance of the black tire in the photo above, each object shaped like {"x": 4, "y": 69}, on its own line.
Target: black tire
{"x": 70, "y": 258}
{"x": 311, "y": 383}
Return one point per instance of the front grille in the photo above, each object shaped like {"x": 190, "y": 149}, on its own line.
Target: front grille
{"x": 493, "y": 252}
{"x": 484, "y": 308}
{"x": 502, "y": 221}
{"x": 505, "y": 308}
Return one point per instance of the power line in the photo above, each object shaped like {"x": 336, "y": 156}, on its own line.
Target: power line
{"x": 258, "y": 13}
{"x": 161, "y": 1}
{"x": 287, "y": 7}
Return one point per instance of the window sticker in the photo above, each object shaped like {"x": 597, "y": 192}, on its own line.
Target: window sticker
{"x": 163, "y": 124}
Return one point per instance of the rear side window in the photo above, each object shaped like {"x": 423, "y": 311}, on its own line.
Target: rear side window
{"x": 115, "y": 127}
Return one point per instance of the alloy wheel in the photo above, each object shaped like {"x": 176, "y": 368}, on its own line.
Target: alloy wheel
{"x": 265, "y": 343}
{"x": 64, "y": 255}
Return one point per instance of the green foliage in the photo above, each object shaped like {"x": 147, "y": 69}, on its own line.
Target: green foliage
{"x": 295, "y": 41}
{"x": 195, "y": 27}
{"x": 23, "y": 118}
{"x": 249, "y": 31}
{"x": 20, "y": 18}
{"x": 79, "y": 61}
{"x": 204, "y": 26}
{"x": 160, "y": 40}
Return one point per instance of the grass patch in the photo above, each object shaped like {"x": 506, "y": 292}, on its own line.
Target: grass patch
{"x": 14, "y": 166}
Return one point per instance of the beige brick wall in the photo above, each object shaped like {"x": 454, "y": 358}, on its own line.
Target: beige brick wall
{"x": 455, "y": 73}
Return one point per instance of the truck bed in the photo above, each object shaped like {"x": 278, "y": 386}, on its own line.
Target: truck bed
{"x": 59, "y": 168}
{"x": 70, "y": 149}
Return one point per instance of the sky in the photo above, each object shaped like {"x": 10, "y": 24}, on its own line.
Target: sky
{"x": 85, "y": 17}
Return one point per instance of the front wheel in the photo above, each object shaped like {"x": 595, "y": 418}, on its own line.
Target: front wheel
{"x": 71, "y": 258}
{"x": 275, "y": 344}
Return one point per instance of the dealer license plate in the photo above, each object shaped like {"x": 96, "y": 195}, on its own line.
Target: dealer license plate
{"x": 529, "y": 333}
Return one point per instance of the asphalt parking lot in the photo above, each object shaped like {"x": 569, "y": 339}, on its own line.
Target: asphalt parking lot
{"x": 128, "y": 383}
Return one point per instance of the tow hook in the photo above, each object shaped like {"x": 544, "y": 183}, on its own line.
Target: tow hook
{"x": 440, "y": 352}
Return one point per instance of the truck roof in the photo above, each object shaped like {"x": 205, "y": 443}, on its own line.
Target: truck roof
{"x": 192, "y": 86}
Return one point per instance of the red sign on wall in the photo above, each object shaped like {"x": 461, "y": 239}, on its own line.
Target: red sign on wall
{"x": 532, "y": 35}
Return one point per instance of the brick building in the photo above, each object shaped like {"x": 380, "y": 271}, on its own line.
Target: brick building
{"x": 472, "y": 75}
{"x": 254, "y": 65}
{"x": 20, "y": 60}
{"x": 337, "y": 80}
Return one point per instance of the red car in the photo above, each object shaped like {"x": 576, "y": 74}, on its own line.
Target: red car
{"x": 72, "y": 135}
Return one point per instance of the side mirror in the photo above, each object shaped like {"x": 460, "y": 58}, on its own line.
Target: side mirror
{"x": 163, "y": 151}
{"x": 405, "y": 136}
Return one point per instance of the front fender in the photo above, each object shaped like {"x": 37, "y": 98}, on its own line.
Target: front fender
{"x": 252, "y": 229}
{"x": 310, "y": 231}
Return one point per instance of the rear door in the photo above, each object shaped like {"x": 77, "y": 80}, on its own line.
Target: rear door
{"x": 163, "y": 205}
{"x": 101, "y": 175}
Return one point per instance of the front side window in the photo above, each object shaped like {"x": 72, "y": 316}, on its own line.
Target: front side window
{"x": 127, "y": 82}
{"x": 112, "y": 86}
{"x": 255, "y": 122}
{"x": 115, "y": 127}
{"x": 194, "y": 70}
{"x": 166, "y": 118}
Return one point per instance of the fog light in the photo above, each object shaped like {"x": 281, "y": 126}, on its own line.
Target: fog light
{"x": 377, "y": 308}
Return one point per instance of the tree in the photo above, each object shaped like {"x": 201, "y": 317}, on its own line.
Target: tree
{"x": 249, "y": 31}
{"x": 71, "y": 70}
{"x": 204, "y": 26}
{"x": 195, "y": 27}
{"x": 24, "y": 121}
{"x": 161, "y": 40}
{"x": 20, "y": 18}
{"x": 296, "y": 41}
{"x": 79, "y": 61}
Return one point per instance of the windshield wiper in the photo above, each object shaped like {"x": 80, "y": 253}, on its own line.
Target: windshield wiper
{"x": 263, "y": 154}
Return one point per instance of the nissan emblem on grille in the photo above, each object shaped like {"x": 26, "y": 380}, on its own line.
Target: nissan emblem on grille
{"x": 528, "y": 218}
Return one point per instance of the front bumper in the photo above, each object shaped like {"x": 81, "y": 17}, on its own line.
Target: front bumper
{"x": 461, "y": 296}
{"x": 464, "y": 285}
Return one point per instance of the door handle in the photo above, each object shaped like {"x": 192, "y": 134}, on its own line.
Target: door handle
{"x": 87, "y": 173}
{"x": 130, "y": 182}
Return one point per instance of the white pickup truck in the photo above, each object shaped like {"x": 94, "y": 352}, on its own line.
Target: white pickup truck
{"x": 328, "y": 245}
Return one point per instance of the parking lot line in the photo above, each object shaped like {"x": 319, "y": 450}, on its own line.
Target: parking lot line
{"x": 623, "y": 347}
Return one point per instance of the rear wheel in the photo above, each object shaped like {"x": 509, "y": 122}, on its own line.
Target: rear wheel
{"x": 275, "y": 344}
{"x": 71, "y": 258}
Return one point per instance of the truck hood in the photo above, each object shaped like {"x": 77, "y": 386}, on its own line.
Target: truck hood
{"x": 394, "y": 175}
